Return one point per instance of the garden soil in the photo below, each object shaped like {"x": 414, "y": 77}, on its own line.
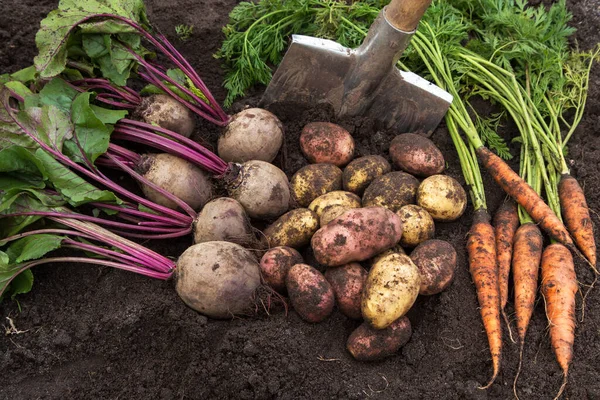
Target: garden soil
{"x": 88, "y": 332}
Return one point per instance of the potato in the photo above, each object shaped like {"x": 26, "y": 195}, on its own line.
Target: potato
{"x": 436, "y": 261}
{"x": 331, "y": 213}
{"x": 275, "y": 264}
{"x": 362, "y": 171}
{"x": 293, "y": 229}
{"x": 368, "y": 344}
{"x": 392, "y": 191}
{"x": 252, "y": 134}
{"x": 324, "y": 142}
{"x": 391, "y": 289}
{"x": 218, "y": 279}
{"x": 335, "y": 198}
{"x": 347, "y": 282}
{"x": 416, "y": 155}
{"x": 396, "y": 249}
{"x": 315, "y": 180}
{"x": 310, "y": 294}
{"x": 356, "y": 235}
{"x": 442, "y": 197}
{"x": 223, "y": 219}
{"x": 417, "y": 225}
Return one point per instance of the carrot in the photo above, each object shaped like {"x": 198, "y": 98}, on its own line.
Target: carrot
{"x": 524, "y": 194}
{"x": 577, "y": 216}
{"x": 559, "y": 286}
{"x": 527, "y": 254}
{"x": 481, "y": 247}
{"x": 506, "y": 222}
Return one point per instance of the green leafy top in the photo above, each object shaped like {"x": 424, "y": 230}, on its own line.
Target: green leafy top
{"x": 76, "y": 31}
{"x": 64, "y": 120}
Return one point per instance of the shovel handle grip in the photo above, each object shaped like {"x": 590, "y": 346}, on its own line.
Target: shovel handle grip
{"x": 406, "y": 14}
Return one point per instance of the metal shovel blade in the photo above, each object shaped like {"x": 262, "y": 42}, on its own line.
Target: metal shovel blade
{"x": 360, "y": 82}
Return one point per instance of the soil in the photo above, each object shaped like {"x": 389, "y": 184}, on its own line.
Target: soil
{"x": 93, "y": 332}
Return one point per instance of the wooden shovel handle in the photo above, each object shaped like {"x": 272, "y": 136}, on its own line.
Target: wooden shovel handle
{"x": 406, "y": 14}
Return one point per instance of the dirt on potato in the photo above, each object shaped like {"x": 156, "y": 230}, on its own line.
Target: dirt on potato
{"x": 89, "y": 332}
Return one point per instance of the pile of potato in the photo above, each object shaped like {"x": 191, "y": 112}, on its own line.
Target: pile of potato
{"x": 364, "y": 216}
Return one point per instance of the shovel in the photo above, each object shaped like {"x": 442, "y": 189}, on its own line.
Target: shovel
{"x": 363, "y": 81}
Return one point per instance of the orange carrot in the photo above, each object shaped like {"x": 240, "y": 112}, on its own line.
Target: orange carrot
{"x": 527, "y": 254}
{"x": 524, "y": 194}
{"x": 481, "y": 247}
{"x": 506, "y": 222}
{"x": 577, "y": 216}
{"x": 559, "y": 286}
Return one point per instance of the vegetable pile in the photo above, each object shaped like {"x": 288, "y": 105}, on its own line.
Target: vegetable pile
{"x": 371, "y": 222}
{"x": 337, "y": 232}
{"x": 514, "y": 55}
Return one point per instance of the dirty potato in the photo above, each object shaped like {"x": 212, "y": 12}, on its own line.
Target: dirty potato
{"x": 369, "y": 344}
{"x": 392, "y": 191}
{"x": 362, "y": 171}
{"x": 417, "y": 225}
{"x": 356, "y": 235}
{"x": 442, "y": 197}
{"x": 293, "y": 229}
{"x": 331, "y": 213}
{"x": 335, "y": 198}
{"x": 315, "y": 180}
{"x": 396, "y": 249}
{"x": 391, "y": 289}
{"x": 324, "y": 142}
{"x": 436, "y": 261}
{"x": 416, "y": 155}
{"x": 310, "y": 294}
{"x": 275, "y": 265}
{"x": 347, "y": 282}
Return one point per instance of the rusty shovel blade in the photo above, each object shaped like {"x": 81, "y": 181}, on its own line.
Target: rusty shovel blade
{"x": 360, "y": 82}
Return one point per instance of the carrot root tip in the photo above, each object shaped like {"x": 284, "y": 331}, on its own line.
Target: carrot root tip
{"x": 490, "y": 383}
{"x": 510, "y": 334}
{"x": 562, "y": 387}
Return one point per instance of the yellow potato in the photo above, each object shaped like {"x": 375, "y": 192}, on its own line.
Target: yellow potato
{"x": 362, "y": 171}
{"x": 396, "y": 249}
{"x": 331, "y": 213}
{"x": 293, "y": 229}
{"x": 417, "y": 224}
{"x": 391, "y": 289}
{"x": 335, "y": 198}
{"x": 315, "y": 180}
{"x": 442, "y": 197}
{"x": 392, "y": 191}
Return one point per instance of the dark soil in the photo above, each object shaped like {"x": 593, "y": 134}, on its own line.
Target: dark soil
{"x": 93, "y": 332}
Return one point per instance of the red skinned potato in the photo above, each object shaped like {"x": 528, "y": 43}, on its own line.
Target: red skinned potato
{"x": 369, "y": 344}
{"x": 275, "y": 265}
{"x": 324, "y": 142}
{"x": 310, "y": 294}
{"x": 356, "y": 235}
{"x": 416, "y": 155}
{"x": 347, "y": 282}
{"x": 436, "y": 261}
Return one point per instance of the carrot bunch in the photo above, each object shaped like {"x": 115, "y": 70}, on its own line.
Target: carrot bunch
{"x": 493, "y": 251}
